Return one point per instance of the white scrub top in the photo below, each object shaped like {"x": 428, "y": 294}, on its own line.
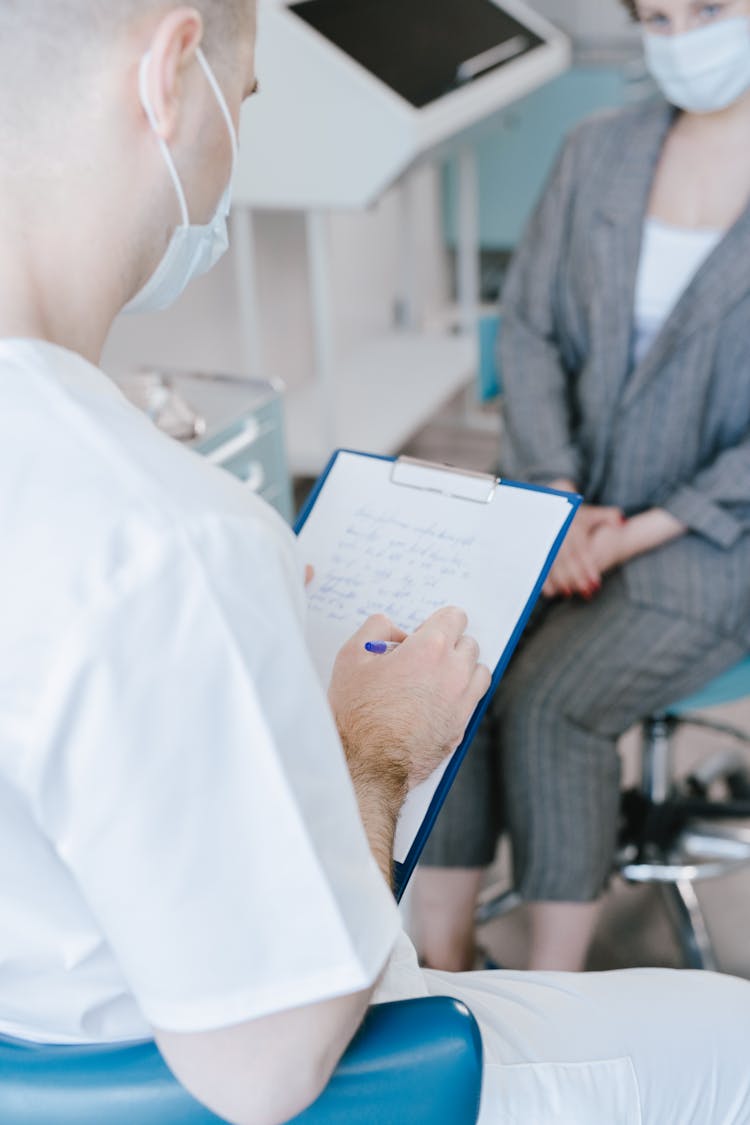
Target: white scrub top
{"x": 180, "y": 843}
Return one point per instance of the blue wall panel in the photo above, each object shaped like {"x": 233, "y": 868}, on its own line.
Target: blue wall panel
{"x": 515, "y": 160}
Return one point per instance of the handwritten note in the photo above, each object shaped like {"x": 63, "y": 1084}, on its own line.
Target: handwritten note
{"x": 381, "y": 563}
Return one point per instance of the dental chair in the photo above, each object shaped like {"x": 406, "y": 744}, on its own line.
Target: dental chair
{"x": 414, "y": 1061}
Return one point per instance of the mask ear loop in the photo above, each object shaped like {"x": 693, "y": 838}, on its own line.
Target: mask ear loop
{"x": 149, "y": 111}
{"x": 219, "y": 94}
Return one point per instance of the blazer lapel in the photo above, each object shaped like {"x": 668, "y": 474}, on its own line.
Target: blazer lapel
{"x": 617, "y": 232}
{"x": 722, "y": 281}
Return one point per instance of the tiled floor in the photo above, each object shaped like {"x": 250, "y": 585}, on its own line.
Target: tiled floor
{"x": 447, "y": 440}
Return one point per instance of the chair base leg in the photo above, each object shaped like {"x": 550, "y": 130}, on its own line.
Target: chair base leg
{"x": 494, "y": 903}
{"x": 689, "y": 924}
{"x": 682, "y": 905}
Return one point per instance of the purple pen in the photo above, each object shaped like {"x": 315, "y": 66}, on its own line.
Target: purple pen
{"x": 381, "y": 647}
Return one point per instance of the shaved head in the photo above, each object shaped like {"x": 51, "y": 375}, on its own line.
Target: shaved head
{"x": 92, "y": 19}
{"x": 54, "y": 54}
{"x": 57, "y": 40}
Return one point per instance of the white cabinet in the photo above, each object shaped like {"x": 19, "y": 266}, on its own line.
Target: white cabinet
{"x": 355, "y": 94}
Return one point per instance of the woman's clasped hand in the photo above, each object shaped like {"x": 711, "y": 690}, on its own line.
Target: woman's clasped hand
{"x": 594, "y": 545}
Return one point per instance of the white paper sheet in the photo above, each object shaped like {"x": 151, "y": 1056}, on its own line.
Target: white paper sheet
{"x": 380, "y": 547}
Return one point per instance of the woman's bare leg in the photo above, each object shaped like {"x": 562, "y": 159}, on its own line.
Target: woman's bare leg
{"x": 444, "y": 902}
{"x": 561, "y": 933}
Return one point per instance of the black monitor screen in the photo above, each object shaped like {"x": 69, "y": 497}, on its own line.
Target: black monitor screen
{"x": 422, "y": 49}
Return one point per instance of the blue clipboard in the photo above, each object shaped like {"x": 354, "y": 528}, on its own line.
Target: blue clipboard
{"x": 403, "y": 871}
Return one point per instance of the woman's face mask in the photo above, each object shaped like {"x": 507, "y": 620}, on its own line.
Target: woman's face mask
{"x": 193, "y": 250}
{"x": 705, "y": 70}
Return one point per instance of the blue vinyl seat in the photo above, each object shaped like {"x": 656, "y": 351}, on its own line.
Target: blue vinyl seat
{"x": 415, "y": 1061}
{"x": 727, "y": 688}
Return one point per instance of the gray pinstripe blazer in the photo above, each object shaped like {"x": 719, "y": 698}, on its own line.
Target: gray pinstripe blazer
{"x": 672, "y": 431}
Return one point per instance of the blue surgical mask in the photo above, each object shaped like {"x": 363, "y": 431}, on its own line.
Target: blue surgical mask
{"x": 193, "y": 250}
{"x": 705, "y": 70}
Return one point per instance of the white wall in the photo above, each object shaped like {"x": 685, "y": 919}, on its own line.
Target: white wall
{"x": 588, "y": 19}
{"x": 204, "y": 330}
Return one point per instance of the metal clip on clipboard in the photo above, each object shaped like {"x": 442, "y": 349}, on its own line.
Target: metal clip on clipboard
{"x": 455, "y": 484}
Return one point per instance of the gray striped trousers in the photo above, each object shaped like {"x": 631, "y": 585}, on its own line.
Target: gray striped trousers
{"x": 546, "y": 764}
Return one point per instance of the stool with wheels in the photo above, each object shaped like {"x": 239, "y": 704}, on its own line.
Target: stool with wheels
{"x": 677, "y": 834}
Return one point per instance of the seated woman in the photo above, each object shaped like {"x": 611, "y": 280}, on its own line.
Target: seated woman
{"x": 626, "y": 361}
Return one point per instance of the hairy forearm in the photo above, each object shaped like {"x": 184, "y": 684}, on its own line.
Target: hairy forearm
{"x": 381, "y": 791}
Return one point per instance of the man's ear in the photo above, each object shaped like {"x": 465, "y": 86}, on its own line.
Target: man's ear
{"x": 175, "y": 41}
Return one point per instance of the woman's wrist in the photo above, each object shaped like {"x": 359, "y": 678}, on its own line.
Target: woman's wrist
{"x": 649, "y": 530}
{"x": 563, "y": 484}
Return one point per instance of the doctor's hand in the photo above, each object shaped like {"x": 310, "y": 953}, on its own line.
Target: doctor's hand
{"x": 400, "y": 714}
{"x": 577, "y": 568}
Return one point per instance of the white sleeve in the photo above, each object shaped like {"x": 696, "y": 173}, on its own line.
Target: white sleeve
{"x": 195, "y": 785}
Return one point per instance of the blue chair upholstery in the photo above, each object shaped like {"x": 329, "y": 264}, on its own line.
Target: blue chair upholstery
{"x": 727, "y": 688}
{"x": 417, "y": 1060}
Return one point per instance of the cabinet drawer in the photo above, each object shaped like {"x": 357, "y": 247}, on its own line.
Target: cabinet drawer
{"x": 253, "y": 451}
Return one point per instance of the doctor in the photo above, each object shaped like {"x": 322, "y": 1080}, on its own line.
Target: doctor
{"x": 174, "y": 797}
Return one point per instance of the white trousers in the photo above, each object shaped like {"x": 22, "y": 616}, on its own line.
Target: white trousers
{"x": 637, "y": 1047}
